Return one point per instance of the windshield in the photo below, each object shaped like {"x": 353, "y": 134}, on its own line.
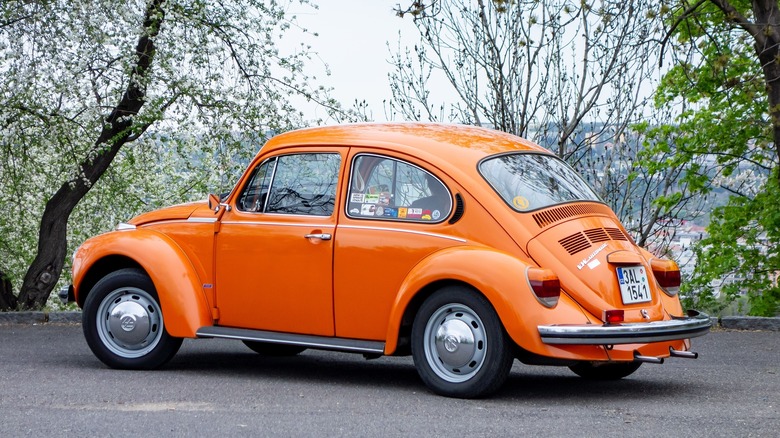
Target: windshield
{"x": 533, "y": 181}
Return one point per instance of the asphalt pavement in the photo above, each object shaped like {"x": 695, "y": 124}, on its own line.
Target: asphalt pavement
{"x": 52, "y": 385}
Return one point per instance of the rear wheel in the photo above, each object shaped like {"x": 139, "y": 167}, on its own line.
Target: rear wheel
{"x": 458, "y": 344}
{"x": 605, "y": 370}
{"x": 123, "y": 322}
{"x": 276, "y": 350}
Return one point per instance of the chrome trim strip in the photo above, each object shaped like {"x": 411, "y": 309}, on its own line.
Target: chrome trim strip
{"x": 308, "y": 341}
{"x": 205, "y": 220}
{"x": 420, "y": 233}
{"x": 629, "y": 333}
{"x": 282, "y": 224}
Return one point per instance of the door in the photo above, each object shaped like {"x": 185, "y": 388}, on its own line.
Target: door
{"x": 274, "y": 250}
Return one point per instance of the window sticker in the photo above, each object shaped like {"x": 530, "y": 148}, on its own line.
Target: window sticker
{"x": 357, "y": 197}
{"x": 520, "y": 202}
{"x": 368, "y": 209}
{"x": 371, "y": 199}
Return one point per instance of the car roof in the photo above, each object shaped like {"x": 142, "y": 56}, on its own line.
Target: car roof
{"x": 460, "y": 144}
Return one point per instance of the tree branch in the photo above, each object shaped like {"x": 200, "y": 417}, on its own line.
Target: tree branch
{"x": 684, "y": 16}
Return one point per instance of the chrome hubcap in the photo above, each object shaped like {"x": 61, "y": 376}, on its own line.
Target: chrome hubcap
{"x": 129, "y": 322}
{"x": 455, "y": 343}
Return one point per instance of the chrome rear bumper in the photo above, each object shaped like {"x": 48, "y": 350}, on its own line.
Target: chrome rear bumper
{"x": 691, "y": 326}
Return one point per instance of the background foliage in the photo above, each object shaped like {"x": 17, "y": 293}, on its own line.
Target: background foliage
{"x": 667, "y": 108}
{"x": 725, "y": 134}
{"x": 216, "y": 85}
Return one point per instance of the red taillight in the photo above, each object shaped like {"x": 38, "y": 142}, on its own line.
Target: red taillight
{"x": 667, "y": 274}
{"x": 545, "y": 285}
{"x": 614, "y": 316}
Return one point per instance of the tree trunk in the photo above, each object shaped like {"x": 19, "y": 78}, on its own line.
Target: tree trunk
{"x": 7, "y": 298}
{"x": 767, "y": 16}
{"x": 118, "y": 129}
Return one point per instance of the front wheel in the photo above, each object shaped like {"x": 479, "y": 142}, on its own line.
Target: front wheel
{"x": 458, "y": 344}
{"x": 605, "y": 370}
{"x": 123, "y": 322}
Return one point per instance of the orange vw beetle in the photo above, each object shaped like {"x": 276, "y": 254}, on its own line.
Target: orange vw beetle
{"x": 462, "y": 246}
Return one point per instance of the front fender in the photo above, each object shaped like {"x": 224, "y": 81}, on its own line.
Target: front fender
{"x": 178, "y": 285}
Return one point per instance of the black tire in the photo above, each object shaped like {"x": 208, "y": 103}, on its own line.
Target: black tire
{"x": 273, "y": 350}
{"x": 459, "y": 345}
{"x": 123, "y": 322}
{"x": 605, "y": 370}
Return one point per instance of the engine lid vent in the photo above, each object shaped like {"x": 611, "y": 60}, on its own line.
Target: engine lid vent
{"x": 575, "y": 243}
{"x": 581, "y": 241}
{"x": 553, "y": 215}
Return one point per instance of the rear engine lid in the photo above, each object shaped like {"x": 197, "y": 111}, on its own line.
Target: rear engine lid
{"x": 600, "y": 267}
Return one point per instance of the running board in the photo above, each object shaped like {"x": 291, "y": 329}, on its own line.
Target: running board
{"x": 308, "y": 341}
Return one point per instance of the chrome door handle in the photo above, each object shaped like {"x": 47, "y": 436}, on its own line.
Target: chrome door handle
{"x": 323, "y": 236}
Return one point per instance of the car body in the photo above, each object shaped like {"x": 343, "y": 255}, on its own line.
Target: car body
{"x": 463, "y": 246}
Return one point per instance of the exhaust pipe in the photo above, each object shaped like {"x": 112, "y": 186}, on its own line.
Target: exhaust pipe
{"x": 683, "y": 354}
{"x": 649, "y": 359}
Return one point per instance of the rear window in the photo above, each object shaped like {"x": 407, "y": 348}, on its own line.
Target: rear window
{"x": 532, "y": 181}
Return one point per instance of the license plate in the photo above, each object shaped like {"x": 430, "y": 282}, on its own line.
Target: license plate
{"x": 634, "y": 287}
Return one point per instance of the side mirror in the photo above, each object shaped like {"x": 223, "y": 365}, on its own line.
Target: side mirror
{"x": 214, "y": 202}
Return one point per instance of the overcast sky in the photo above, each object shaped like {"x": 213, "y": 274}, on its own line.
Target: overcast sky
{"x": 353, "y": 38}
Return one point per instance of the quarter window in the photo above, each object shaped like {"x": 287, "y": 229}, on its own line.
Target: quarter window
{"x": 302, "y": 184}
{"x": 389, "y": 189}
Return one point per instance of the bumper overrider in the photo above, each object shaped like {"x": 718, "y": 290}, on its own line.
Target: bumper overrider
{"x": 682, "y": 327}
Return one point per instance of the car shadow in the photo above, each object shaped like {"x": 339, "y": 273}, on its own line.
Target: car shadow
{"x": 309, "y": 366}
{"x": 524, "y": 383}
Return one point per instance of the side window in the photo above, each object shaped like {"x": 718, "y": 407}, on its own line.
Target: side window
{"x": 386, "y": 188}
{"x": 293, "y": 184}
{"x": 254, "y": 195}
{"x": 304, "y": 184}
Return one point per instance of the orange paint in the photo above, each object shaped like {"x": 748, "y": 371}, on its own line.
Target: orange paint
{"x": 353, "y": 271}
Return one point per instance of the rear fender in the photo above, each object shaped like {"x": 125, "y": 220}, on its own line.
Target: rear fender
{"x": 500, "y": 277}
{"x": 178, "y": 286}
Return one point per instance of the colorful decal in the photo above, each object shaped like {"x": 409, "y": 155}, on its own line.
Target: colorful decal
{"x": 436, "y": 214}
{"x": 379, "y": 211}
{"x": 520, "y": 202}
{"x": 371, "y": 199}
{"x": 354, "y": 211}
{"x": 414, "y": 213}
{"x": 390, "y": 212}
{"x": 357, "y": 198}
{"x": 368, "y": 209}
{"x": 402, "y": 211}
{"x": 384, "y": 198}
{"x": 426, "y": 215}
